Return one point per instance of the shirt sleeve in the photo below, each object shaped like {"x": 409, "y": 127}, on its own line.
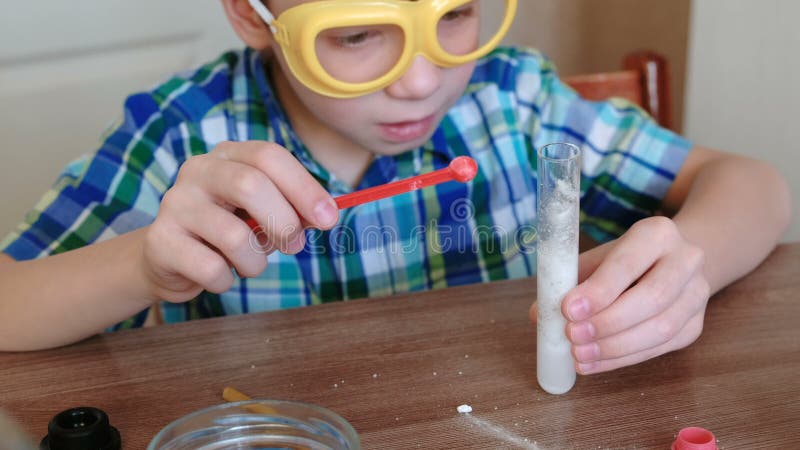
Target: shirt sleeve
{"x": 116, "y": 190}
{"x": 628, "y": 161}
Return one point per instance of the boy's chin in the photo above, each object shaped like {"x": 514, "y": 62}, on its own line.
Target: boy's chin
{"x": 394, "y": 151}
{"x": 384, "y": 148}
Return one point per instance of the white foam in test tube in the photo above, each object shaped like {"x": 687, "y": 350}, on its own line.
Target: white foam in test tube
{"x": 558, "y": 198}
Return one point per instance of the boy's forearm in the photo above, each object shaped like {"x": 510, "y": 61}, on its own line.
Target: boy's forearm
{"x": 64, "y": 298}
{"x": 736, "y": 210}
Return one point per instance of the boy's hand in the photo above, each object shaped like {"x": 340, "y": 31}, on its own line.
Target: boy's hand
{"x": 198, "y": 235}
{"x": 643, "y": 295}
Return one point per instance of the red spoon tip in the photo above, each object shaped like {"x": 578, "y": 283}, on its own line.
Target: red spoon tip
{"x": 463, "y": 169}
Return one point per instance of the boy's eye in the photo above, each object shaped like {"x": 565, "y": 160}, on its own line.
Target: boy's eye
{"x": 354, "y": 39}
{"x": 459, "y": 13}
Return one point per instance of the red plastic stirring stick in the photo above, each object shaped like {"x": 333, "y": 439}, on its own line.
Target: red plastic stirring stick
{"x": 461, "y": 169}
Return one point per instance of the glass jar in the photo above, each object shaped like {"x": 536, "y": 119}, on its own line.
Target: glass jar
{"x": 11, "y": 436}
{"x": 258, "y": 424}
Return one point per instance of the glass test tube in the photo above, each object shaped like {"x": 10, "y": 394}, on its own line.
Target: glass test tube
{"x": 558, "y": 199}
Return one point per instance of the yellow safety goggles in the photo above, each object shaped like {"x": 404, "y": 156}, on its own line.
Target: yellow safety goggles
{"x": 348, "y": 48}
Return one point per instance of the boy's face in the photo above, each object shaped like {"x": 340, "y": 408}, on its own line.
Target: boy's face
{"x": 395, "y": 119}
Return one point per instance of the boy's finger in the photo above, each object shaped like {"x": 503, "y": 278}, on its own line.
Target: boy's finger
{"x": 634, "y": 254}
{"x": 248, "y": 188}
{"x": 197, "y": 262}
{"x": 591, "y": 259}
{"x": 294, "y": 182}
{"x": 691, "y": 332}
{"x": 654, "y": 293}
{"x": 654, "y": 332}
{"x": 230, "y": 236}
{"x": 588, "y": 262}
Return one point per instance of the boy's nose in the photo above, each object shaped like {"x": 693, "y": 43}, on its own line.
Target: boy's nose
{"x": 420, "y": 81}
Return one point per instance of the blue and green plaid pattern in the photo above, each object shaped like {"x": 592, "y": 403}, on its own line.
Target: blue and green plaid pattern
{"x": 446, "y": 235}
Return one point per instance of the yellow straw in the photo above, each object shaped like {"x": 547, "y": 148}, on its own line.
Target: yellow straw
{"x": 231, "y": 394}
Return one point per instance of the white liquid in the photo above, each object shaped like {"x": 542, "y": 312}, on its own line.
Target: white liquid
{"x": 557, "y": 273}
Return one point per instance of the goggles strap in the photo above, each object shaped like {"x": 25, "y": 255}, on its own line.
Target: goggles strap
{"x": 266, "y": 16}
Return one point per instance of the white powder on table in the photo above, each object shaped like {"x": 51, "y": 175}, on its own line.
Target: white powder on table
{"x": 464, "y": 409}
{"x": 500, "y": 433}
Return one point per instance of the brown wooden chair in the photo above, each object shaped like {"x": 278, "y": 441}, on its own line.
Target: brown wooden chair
{"x": 644, "y": 80}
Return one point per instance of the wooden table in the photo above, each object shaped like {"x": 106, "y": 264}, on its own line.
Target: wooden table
{"x": 432, "y": 352}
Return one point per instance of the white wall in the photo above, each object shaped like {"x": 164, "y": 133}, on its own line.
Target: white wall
{"x": 66, "y": 67}
{"x": 743, "y": 84}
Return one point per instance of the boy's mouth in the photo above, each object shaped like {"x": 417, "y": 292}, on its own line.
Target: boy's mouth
{"x": 400, "y": 132}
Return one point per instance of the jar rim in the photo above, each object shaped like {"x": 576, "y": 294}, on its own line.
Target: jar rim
{"x": 337, "y": 428}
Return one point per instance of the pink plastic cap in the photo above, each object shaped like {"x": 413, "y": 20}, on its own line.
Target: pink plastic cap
{"x": 695, "y": 438}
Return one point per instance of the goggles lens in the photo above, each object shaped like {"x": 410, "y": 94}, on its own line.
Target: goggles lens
{"x": 459, "y": 30}
{"x": 360, "y": 54}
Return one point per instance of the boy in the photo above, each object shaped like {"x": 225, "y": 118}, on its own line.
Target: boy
{"x": 322, "y": 103}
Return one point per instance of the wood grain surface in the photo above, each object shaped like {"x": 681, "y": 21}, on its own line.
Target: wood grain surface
{"x": 397, "y": 368}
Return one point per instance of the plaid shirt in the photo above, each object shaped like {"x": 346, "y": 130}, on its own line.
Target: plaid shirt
{"x": 446, "y": 235}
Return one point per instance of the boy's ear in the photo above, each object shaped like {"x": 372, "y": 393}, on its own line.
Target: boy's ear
{"x": 247, "y": 24}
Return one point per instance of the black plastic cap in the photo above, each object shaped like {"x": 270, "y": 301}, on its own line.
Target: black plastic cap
{"x": 83, "y": 428}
